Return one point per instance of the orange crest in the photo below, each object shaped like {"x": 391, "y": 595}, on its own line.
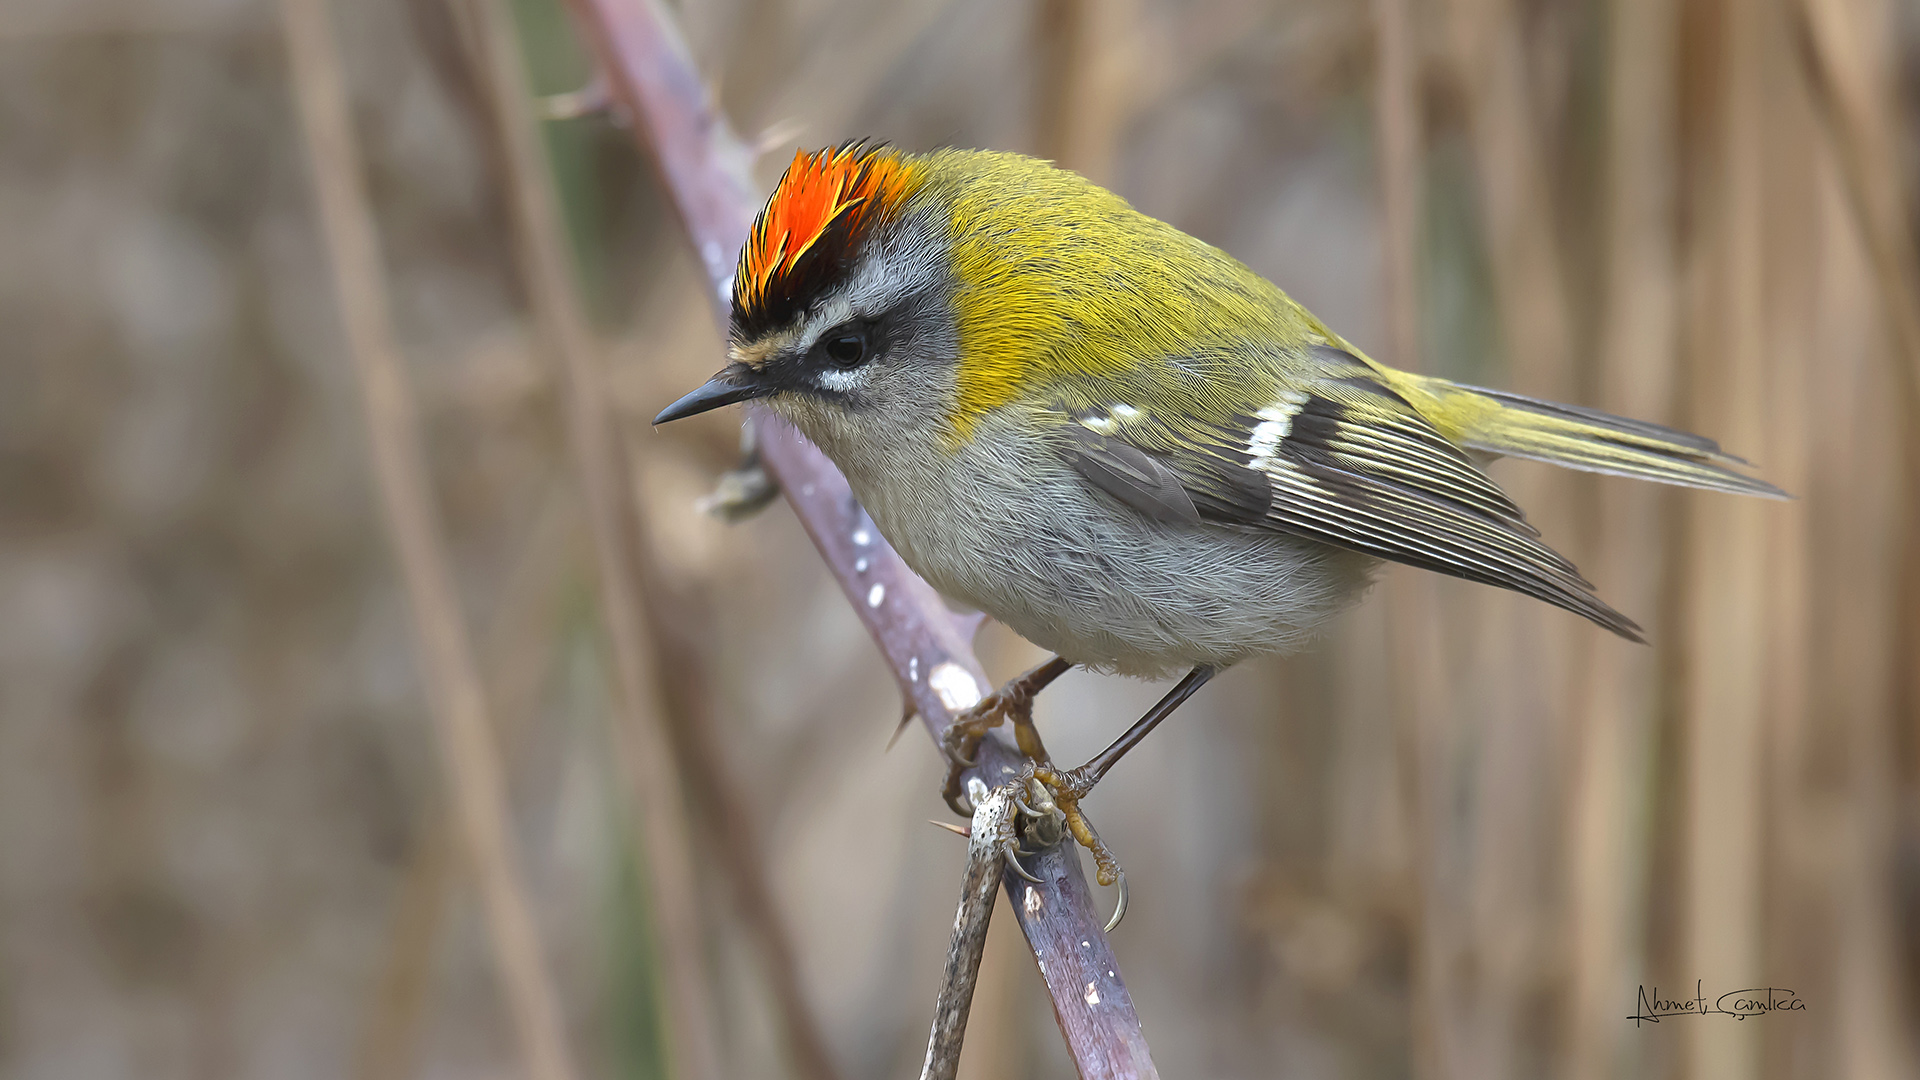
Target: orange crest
{"x": 817, "y": 213}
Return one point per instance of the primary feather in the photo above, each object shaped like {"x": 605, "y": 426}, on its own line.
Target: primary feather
{"x": 1587, "y": 439}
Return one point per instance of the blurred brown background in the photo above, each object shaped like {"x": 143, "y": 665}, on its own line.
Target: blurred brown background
{"x": 1453, "y": 841}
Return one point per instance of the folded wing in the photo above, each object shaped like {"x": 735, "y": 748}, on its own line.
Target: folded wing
{"x": 1342, "y": 458}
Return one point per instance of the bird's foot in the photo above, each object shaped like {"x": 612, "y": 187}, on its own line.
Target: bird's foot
{"x": 1065, "y": 788}
{"x": 1058, "y": 794}
{"x": 963, "y": 735}
{"x": 1028, "y": 821}
{"x": 1042, "y": 821}
{"x": 1012, "y": 702}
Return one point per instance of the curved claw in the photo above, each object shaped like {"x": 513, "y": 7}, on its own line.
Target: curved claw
{"x": 1013, "y": 864}
{"x": 1120, "y": 908}
{"x": 954, "y": 754}
{"x": 1024, "y": 808}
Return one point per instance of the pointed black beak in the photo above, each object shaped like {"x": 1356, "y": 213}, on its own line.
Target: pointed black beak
{"x": 737, "y": 382}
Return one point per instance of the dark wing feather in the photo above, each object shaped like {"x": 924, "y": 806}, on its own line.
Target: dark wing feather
{"x": 1131, "y": 475}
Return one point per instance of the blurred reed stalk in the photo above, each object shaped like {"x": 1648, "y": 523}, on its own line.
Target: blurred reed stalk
{"x": 1398, "y": 120}
{"x": 1060, "y": 41}
{"x": 1090, "y": 78}
{"x": 390, "y": 1025}
{"x": 1846, "y": 59}
{"x": 603, "y": 472}
{"x": 629, "y": 603}
{"x": 1853, "y": 99}
{"x": 517, "y": 656}
{"x": 1857, "y": 104}
{"x": 1519, "y": 670}
{"x": 455, "y": 699}
{"x": 1419, "y": 692}
{"x": 1516, "y": 204}
{"x": 1791, "y": 183}
{"x": 1608, "y": 827}
{"x": 1726, "y": 587}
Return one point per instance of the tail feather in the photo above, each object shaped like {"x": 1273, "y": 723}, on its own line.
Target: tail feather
{"x": 1587, "y": 439}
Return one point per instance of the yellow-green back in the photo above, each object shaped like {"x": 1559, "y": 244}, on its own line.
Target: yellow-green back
{"x": 1060, "y": 281}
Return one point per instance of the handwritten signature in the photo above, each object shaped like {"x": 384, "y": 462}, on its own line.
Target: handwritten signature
{"x": 1739, "y": 1004}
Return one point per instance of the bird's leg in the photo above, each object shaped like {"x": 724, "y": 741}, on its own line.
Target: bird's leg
{"x": 1014, "y": 701}
{"x": 1072, "y": 785}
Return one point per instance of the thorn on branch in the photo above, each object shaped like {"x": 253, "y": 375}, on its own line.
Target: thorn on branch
{"x": 906, "y": 717}
{"x": 592, "y": 99}
{"x": 778, "y": 134}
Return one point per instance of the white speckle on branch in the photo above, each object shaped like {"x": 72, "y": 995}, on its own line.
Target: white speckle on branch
{"x": 862, "y": 537}
{"x": 875, "y": 595}
{"x": 860, "y": 565}
{"x": 913, "y": 669}
{"x": 955, "y": 685}
{"x": 1093, "y": 996}
{"x": 1033, "y": 902}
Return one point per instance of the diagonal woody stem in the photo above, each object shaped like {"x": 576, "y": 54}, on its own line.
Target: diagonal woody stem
{"x": 706, "y": 168}
{"x": 992, "y": 827}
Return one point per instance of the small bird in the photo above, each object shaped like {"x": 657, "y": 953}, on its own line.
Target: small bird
{"x": 1118, "y": 440}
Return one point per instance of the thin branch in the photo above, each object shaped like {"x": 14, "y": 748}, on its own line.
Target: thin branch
{"x": 706, "y": 168}
{"x": 991, "y": 829}
{"x": 628, "y": 577}
{"x": 446, "y": 657}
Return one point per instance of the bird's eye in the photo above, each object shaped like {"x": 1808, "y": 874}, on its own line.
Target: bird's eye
{"x": 847, "y": 347}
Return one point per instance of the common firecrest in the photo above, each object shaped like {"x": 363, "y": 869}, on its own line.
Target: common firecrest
{"x": 1118, "y": 440}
